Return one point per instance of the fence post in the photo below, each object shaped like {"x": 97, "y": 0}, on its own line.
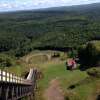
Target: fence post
{"x": 13, "y": 87}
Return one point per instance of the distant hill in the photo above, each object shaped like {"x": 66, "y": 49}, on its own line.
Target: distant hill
{"x": 75, "y": 7}
{"x": 51, "y": 28}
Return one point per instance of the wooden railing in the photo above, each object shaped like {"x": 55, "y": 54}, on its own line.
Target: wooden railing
{"x": 11, "y": 78}
{"x": 13, "y": 87}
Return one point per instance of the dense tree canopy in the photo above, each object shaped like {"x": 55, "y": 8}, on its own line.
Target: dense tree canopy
{"x": 89, "y": 54}
{"x": 69, "y": 27}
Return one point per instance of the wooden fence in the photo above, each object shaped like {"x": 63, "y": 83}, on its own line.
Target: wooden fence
{"x": 13, "y": 87}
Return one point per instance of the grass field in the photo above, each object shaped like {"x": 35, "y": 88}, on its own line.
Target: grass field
{"x": 67, "y": 78}
{"x": 56, "y": 68}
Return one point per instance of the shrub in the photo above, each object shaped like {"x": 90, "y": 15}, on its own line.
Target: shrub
{"x": 25, "y": 74}
{"x": 6, "y": 61}
{"x": 95, "y": 72}
{"x": 89, "y": 54}
{"x": 73, "y": 53}
{"x": 56, "y": 54}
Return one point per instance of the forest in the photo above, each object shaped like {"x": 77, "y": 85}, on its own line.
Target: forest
{"x": 61, "y": 43}
{"x": 53, "y": 28}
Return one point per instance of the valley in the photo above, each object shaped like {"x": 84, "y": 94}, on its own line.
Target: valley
{"x": 62, "y": 43}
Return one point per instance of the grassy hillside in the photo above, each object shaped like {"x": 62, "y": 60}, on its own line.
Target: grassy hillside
{"x": 62, "y": 28}
{"x": 21, "y": 32}
{"x": 85, "y": 86}
{"x": 55, "y": 68}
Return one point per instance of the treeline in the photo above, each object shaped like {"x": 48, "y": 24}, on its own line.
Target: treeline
{"x": 22, "y": 32}
{"x": 89, "y": 55}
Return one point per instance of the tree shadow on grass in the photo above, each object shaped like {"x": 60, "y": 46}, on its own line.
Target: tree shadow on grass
{"x": 84, "y": 67}
{"x": 98, "y": 97}
{"x": 66, "y": 98}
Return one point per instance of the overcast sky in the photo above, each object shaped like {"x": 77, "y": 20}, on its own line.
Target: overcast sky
{"x": 10, "y": 5}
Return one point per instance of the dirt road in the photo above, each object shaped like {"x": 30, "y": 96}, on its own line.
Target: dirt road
{"x": 54, "y": 91}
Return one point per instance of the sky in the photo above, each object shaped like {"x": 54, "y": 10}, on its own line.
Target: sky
{"x": 12, "y": 5}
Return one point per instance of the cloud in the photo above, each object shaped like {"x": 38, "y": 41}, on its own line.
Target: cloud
{"x": 6, "y": 5}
